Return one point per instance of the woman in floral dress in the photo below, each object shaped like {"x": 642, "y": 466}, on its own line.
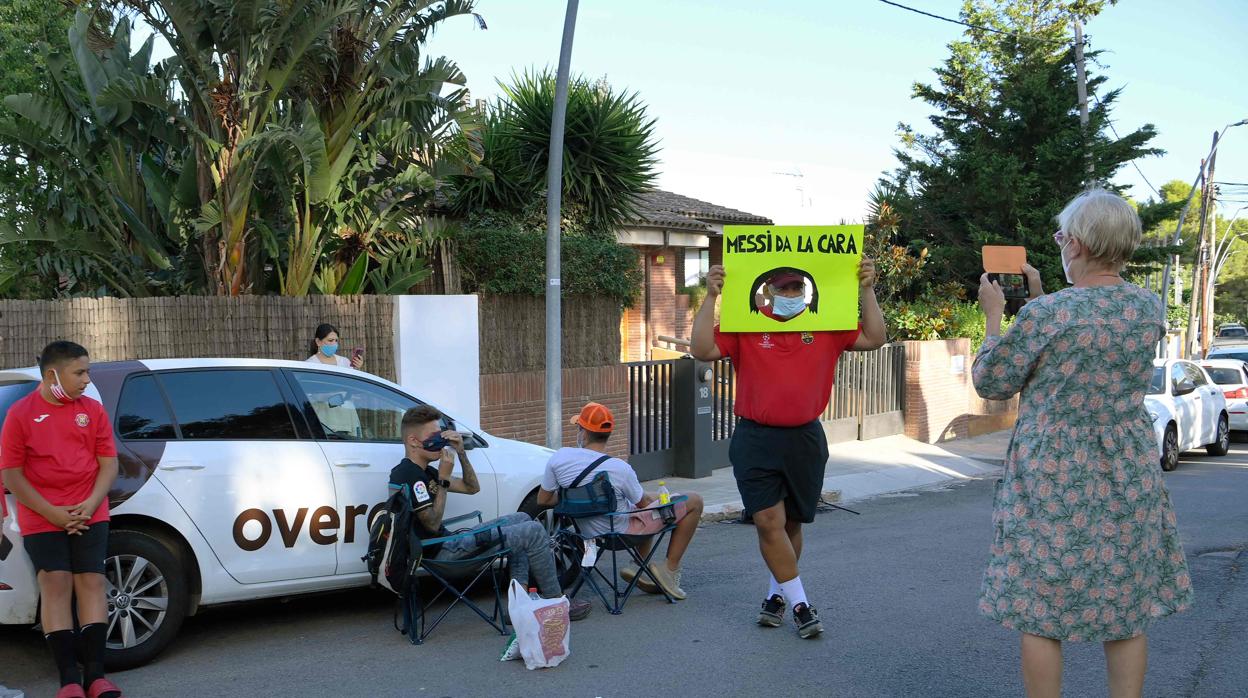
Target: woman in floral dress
{"x": 1086, "y": 545}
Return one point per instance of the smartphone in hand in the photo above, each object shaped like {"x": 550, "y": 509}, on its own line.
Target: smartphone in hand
{"x": 357, "y": 353}
{"x": 1004, "y": 265}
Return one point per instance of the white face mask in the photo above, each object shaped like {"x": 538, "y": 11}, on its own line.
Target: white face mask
{"x": 1066, "y": 264}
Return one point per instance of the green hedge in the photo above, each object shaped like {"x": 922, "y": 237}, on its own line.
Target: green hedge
{"x": 500, "y": 254}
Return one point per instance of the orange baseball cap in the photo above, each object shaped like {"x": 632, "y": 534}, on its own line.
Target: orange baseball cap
{"x": 596, "y": 418}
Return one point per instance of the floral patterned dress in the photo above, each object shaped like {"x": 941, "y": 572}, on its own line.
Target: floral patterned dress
{"x": 1086, "y": 545}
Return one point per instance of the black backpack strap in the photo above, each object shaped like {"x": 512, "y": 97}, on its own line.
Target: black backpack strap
{"x": 587, "y": 471}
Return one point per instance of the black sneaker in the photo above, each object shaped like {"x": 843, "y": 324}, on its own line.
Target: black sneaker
{"x": 807, "y": 619}
{"x": 772, "y": 615}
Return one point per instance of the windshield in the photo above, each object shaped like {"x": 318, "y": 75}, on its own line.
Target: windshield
{"x": 1225, "y": 376}
{"x": 1233, "y": 332}
{"x": 1158, "y": 385}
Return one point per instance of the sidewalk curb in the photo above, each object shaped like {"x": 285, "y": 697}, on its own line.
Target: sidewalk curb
{"x": 732, "y": 512}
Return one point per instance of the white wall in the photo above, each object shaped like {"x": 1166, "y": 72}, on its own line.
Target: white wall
{"x": 437, "y": 355}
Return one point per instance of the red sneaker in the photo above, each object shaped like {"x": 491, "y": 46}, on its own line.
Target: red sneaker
{"x": 72, "y": 690}
{"x": 101, "y": 686}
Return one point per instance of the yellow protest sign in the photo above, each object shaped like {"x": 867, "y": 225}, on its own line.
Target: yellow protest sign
{"x": 823, "y": 258}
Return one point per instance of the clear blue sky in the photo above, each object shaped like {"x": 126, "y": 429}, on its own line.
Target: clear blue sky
{"x": 743, "y": 90}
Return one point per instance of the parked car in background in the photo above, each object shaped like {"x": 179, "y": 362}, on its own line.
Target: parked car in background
{"x": 1231, "y": 376}
{"x": 1188, "y": 411}
{"x": 1233, "y": 329}
{"x": 1237, "y": 351}
{"x": 245, "y": 479}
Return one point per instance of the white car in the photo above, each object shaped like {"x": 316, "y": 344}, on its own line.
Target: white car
{"x": 1231, "y": 377}
{"x": 245, "y": 479}
{"x": 1188, "y": 411}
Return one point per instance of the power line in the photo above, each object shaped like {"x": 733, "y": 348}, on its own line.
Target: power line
{"x": 972, "y": 26}
{"x": 1133, "y": 162}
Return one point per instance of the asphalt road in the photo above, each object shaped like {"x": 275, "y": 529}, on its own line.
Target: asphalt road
{"x": 896, "y": 586}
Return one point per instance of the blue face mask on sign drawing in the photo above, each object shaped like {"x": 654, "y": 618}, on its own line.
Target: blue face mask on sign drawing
{"x": 786, "y": 307}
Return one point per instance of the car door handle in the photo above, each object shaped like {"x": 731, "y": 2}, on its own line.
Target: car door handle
{"x": 181, "y": 465}
{"x": 351, "y": 464}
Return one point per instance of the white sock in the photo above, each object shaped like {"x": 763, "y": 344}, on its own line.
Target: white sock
{"x": 793, "y": 592}
{"x": 774, "y": 587}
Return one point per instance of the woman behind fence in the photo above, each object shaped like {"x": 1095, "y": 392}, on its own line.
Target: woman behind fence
{"x": 1086, "y": 545}
{"x": 325, "y": 349}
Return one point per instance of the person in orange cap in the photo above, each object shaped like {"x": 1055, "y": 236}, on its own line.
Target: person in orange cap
{"x": 594, "y": 425}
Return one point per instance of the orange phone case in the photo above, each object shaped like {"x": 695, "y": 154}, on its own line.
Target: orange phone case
{"x": 1004, "y": 259}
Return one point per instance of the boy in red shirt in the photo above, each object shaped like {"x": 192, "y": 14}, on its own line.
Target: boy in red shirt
{"x": 58, "y": 458}
{"x": 778, "y": 449}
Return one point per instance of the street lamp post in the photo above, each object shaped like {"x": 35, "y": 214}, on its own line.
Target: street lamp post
{"x": 554, "y": 286}
{"x": 1222, "y": 252}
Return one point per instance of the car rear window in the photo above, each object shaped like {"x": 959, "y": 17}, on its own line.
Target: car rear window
{"x": 228, "y": 405}
{"x": 1225, "y": 376}
{"x": 13, "y": 390}
{"x": 142, "y": 413}
{"x": 1233, "y": 332}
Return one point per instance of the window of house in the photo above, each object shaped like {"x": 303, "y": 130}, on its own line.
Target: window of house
{"x": 697, "y": 263}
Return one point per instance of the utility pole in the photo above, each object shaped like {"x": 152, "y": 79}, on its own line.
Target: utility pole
{"x": 554, "y": 287}
{"x": 1211, "y": 214}
{"x": 1201, "y": 269}
{"x": 1082, "y": 85}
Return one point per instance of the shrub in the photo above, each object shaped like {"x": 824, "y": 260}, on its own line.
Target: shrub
{"x": 506, "y": 254}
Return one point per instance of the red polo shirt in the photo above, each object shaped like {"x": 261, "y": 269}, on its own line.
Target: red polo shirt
{"x": 784, "y": 379}
{"x": 56, "y": 447}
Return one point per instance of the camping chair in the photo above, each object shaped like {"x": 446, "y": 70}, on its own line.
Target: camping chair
{"x": 597, "y": 499}
{"x": 448, "y": 572}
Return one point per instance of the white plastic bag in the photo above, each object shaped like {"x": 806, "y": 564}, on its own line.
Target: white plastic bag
{"x": 542, "y": 627}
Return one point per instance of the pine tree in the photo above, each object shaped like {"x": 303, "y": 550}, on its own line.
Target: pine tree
{"x": 1008, "y": 151}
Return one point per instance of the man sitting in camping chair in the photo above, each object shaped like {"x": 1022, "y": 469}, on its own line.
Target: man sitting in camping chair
{"x": 425, "y": 443}
{"x": 570, "y": 467}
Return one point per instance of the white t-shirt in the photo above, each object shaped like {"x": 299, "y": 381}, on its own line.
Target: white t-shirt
{"x": 340, "y": 360}
{"x": 566, "y": 463}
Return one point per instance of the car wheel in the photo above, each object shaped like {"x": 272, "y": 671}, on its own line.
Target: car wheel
{"x": 1223, "y": 442}
{"x": 148, "y": 597}
{"x": 1170, "y": 449}
{"x": 531, "y": 507}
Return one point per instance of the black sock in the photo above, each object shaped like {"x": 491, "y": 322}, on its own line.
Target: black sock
{"x": 94, "y": 636}
{"x": 62, "y": 644}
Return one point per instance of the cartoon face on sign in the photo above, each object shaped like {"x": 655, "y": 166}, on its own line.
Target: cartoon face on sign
{"x": 784, "y": 293}
{"x": 790, "y": 278}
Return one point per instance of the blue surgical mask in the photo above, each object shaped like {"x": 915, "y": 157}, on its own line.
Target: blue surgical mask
{"x": 329, "y": 349}
{"x": 786, "y": 307}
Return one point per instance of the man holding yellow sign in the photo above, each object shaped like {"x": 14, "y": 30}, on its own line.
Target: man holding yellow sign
{"x": 790, "y": 308}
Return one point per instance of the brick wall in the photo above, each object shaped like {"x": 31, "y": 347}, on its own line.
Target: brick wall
{"x": 513, "y": 405}
{"x": 941, "y": 402}
{"x": 662, "y": 292}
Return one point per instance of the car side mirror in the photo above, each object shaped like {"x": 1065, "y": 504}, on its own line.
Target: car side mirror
{"x": 1184, "y": 387}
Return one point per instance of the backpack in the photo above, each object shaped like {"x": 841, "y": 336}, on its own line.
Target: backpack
{"x": 394, "y": 554}
{"x": 394, "y": 543}
{"x": 593, "y": 499}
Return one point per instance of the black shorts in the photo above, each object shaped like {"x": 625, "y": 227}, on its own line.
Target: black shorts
{"x": 57, "y": 551}
{"x": 779, "y": 463}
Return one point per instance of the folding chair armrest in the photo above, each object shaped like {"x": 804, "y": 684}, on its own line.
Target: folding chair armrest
{"x": 461, "y": 534}
{"x": 656, "y": 507}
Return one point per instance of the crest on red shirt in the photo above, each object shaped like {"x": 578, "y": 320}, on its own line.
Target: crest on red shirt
{"x": 808, "y": 338}
{"x": 82, "y": 420}
{"x": 766, "y": 343}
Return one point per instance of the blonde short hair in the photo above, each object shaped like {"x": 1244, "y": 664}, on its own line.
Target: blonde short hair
{"x": 1105, "y": 224}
